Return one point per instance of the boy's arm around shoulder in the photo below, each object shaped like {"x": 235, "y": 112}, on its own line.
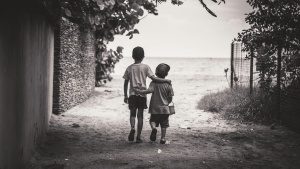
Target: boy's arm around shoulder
{"x": 151, "y": 75}
{"x": 160, "y": 80}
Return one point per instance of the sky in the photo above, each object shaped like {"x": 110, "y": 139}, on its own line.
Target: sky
{"x": 187, "y": 30}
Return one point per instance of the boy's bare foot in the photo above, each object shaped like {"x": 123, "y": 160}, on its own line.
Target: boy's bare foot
{"x": 153, "y": 134}
{"x": 139, "y": 140}
{"x": 131, "y": 135}
{"x": 162, "y": 141}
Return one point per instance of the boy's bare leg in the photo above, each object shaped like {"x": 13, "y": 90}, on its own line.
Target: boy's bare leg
{"x": 163, "y": 134}
{"x": 153, "y": 132}
{"x": 132, "y": 124}
{"x": 153, "y": 125}
{"x": 132, "y": 119}
{"x": 140, "y": 117}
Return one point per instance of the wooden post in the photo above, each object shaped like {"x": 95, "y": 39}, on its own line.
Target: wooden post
{"x": 231, "y": 65}
{"x": 251, "y": 70}
{"x": 278, "y": 81}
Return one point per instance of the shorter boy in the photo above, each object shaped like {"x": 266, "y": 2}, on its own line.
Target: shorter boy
{"x": 162, "y": 94}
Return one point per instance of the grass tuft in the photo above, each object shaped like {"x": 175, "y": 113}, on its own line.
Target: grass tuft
{"x": 259, "y": 107}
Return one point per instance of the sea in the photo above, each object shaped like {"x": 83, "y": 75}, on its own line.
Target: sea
{"x": 195, "y": 75}
{"x": 181, "y": 66}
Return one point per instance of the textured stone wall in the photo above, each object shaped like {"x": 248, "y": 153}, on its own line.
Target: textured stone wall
{"x": 26, "y": 79}
{"x": 74, "y": 66}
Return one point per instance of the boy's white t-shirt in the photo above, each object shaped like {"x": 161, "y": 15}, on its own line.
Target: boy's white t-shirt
{"x": 137, "y": 74}
{"x": 159, "y": 99}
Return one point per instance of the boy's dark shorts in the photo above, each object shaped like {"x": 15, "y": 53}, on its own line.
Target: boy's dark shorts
{"x": 137, "y": 102}
{"x": 162, "y": 119}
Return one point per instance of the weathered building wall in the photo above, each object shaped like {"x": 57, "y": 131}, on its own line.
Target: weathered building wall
{"x": 74, "y": 66}
{"x": 26, "y": 81}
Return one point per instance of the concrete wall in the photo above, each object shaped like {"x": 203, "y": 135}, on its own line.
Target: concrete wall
{"x": 74, "y": 66}
{"x": 26, "y": 75}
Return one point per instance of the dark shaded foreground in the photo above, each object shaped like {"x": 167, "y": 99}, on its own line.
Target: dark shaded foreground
{"x": 94, "y": 134}
{"x": 67, "y": 148}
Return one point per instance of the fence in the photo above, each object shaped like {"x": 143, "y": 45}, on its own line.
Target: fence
{"x": 243, "y": 71}
{"x": 246, "y": 72}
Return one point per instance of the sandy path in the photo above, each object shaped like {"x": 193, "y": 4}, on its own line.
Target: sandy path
{"x": 100, "y": 141}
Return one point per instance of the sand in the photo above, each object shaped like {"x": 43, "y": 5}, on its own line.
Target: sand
{"x": 94, "y": 135}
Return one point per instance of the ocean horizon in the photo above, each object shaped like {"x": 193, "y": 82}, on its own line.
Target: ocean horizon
{"x": 181, "y": 65}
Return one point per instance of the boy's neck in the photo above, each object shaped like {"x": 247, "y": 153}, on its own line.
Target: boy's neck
{"x": 137, "y": 61}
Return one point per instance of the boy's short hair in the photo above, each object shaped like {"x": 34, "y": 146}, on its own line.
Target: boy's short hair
{"x": 138, "y": 53}
{"x": 162, "y": 70}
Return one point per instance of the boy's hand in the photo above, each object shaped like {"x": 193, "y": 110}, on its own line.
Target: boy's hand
{"x": 136, "y": 89}
{"x": 126, "y": 99}
{"x": 169, "y": 81}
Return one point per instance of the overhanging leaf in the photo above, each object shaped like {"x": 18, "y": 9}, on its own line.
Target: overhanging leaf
{"x": 207, "y": 9}
{"x": 135, "y": 6}
{"x": 140, "y": 12}
{"x": 68, "y": 12}
{"x": 129, "y": 33}
{"x": 135, "y": 31}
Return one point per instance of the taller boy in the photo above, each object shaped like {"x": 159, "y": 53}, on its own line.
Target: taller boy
{"x": 136, "y": 74}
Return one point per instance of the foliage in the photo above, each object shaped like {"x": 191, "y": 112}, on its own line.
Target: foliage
{"x": 108, "y": 18}
{"x": 274, "y": 26}
{"x": 274, "y": 23}
{"x": 106, "y": 64}
{"x": 238, "y": 104}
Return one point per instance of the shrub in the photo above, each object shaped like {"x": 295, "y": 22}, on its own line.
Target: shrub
{"x": 239, "y": 104}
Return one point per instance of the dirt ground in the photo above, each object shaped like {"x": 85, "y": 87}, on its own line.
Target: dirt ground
{"x": 93, "y": 135}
